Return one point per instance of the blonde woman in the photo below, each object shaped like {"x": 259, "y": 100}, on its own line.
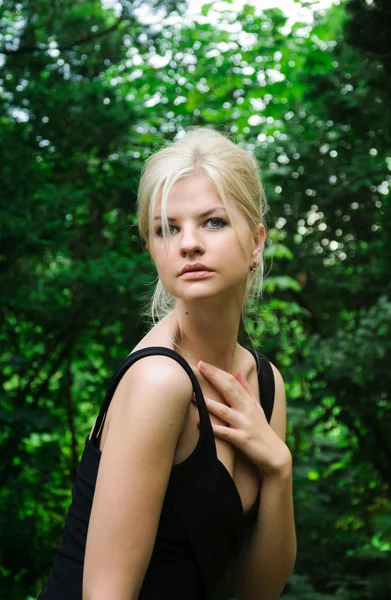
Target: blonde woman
{"x": 186, "y": 476}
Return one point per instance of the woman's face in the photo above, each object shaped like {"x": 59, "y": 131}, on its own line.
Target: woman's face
{"x": 207, "y": 239}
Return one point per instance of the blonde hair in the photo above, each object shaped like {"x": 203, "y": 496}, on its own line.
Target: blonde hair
{"x": 235, "y": 174}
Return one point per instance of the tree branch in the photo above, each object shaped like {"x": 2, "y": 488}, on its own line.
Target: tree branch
{"x": 82, "y": 40}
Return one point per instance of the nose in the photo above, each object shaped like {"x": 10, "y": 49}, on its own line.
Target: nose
{"x": 190, "y": 241}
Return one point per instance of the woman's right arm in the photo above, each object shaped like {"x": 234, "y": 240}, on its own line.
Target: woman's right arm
{"x": 148, "y": 413}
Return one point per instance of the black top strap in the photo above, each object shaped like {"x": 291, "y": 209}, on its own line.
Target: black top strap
{"x": 124, "y": 366}
{"x": 266, "y": 383}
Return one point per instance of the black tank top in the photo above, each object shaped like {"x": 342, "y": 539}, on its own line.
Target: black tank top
{"x": 202, "y": 523}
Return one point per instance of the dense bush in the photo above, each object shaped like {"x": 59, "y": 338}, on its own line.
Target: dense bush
{"x": 86, "y": 93}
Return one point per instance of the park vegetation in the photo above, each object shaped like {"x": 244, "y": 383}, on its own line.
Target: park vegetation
{"x": 87, "y": 91}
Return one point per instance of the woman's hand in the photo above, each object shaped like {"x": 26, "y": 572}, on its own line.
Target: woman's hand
{"x": 247, "y": 427}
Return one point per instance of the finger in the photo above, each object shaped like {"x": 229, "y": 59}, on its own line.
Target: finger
{"x": 227, "y": 433}
{"x": 240, "y": 376}
{"x": 226, "y": 383}
{"x": 224, "y": 412}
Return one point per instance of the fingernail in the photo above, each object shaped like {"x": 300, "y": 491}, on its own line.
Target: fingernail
{"x": 202, "y": 365}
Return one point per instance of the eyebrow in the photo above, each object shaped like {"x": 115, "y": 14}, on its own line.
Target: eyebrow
{"x": 204, "y": 214}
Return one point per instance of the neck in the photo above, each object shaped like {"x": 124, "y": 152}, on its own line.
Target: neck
{"x": 210, "y": 336}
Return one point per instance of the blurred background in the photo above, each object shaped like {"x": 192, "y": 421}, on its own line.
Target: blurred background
{"x": 88, "y": 89}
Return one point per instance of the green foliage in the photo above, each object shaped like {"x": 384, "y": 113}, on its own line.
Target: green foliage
{"x": 85, "y": 96}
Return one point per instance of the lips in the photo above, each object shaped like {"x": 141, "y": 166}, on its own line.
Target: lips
{"x": 194, "y": 267}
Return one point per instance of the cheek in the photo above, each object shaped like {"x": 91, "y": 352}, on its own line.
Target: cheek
{"x": 233, "y": 249}
{"x": 164, "y": 262}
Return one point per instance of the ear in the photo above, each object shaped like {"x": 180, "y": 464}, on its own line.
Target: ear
{"x": 258, "y": 242}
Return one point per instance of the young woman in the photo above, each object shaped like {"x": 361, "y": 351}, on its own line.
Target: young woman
{"x": 186, "y": 476}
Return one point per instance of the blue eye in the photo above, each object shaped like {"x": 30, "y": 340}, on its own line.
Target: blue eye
{"x": 220, "y": 222}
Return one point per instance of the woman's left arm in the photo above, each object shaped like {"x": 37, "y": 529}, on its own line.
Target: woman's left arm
{"x": 263, "y": 567}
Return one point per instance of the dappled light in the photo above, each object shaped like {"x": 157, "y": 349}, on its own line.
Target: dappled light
{"x": 88, "y": 90}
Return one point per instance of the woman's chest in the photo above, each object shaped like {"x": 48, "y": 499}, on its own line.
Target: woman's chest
{"x": 245, "y": 475}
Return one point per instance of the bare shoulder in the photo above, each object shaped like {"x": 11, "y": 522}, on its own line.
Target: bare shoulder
{"x": 157, "y": 368}
{"x": 278, "y": 418}
{"x": 154, "y": 382}
{"x": 278, "y": 379}
{"x": 156, "y": 379}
